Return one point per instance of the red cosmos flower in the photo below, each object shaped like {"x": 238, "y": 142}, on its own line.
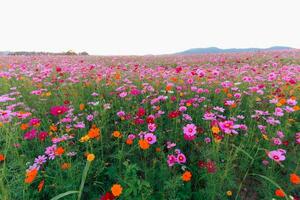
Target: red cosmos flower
{"x": 58, "y": 69}
{"x": 107, "y": 196}
{"x": 42, "y": 135}
{"x": 211, "y": 167}
{"x": 58, "y": 110}
{"x": 178, "y": 69}
{"x": 286, "y": 143}
{"x": 174, "y": 114}
{"x": 173, "y": 98}
{"x": 150, "y": 120}
{"x": 141, "y": 112}
{"x": 201, "y": 164}
{"x": 138, "y": 121}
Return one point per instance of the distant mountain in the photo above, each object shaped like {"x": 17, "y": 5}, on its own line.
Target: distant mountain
{"x": 232, "y": 50}
{"x": 4, "y": 53}
{"x": 31, "y": 53}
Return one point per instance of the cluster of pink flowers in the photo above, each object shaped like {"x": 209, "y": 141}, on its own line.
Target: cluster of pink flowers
{"x": 178, "y": 157}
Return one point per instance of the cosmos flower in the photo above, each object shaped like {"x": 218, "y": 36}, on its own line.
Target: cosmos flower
{"x": 40, "y": 160}
{"x": 58, "y": 110}
{"x": 277, "y": 155}
{"x": 30, "y": 135}
{"x": 151, "y": 127}
{"x": 190, "y": 130}
{"x": 150, "y": 137}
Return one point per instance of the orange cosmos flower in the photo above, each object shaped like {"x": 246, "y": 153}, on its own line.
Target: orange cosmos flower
{"x": 168, "y": 87}
{"x": 295, "y": 179}
{"x": 41, "y": 185}
{"x": 144, "y": 144}
{"x": 215, "y": 129}
{"x": 2, "y": 157}
{"x": 65, "y": 166}
{"x": 24, "y": 127}
{"x": 279, "y": 193}
{"x": 81, "y": 106}
{"x": 59, "y": 151}
{"x": 117, "y": 134}
{"x": 116, "y": 190}
{"x": 94, "y": 132}
{"x": 186, "y": 176}
{"x": 225, "y": 90}
{"x": 30, "y": 175}
{"x": 282, "y": 101}
{"x": 118, "y": 76}
{"x": 296, "y": 108}
{"x": 53, "y": 128}
{"x": 129, "y": 141}
{"x": 90, "y": 157}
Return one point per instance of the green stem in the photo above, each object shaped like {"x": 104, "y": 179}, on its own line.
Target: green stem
{"x": 84, "y": 175}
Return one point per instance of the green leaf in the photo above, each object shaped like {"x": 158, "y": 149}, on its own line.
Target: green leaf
{"x": 64, "y": 194}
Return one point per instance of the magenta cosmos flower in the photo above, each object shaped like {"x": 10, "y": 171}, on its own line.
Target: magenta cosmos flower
{"x": 58, "y": 110}
{"x": 30, "y": 135}
{"x": 190, "y": 130}
{"x": 181, "y": 158}
{"x": 228, "y": 127}
{"x": 277, "y": 155}
{"x": 171, "y": 160}
{"x": 151, "y": 138}
{"x": 151, "y": 127}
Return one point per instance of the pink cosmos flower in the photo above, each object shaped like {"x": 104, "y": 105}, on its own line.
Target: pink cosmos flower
{"x": 90, "y": 117}
{"x": 131, "y": 136}
{"x": 291, "y": 102}
{"x": 135, "y": 92}
{"x": 171, "y": 160}
{"x": 34, "y": 121}
{"x": 228, "y": 127}
{"x": 207, "y": 140}
{"x": 79, "y": 125}
{"x": 58, "y": 110}
{"x": 297, "y": 137}
{"x": 121, "y": 113}
{"x": 151, "y": 138}
{"x": 66, "y": 120}
{"x": 209, "y": 116}
{"x": 278, "y": 112}
{"x": 190, "y": 130}
{"x": 40, "y": 160}
{"x": 280, "y": 134}
{"x": 272, "y": 121}
{"x": 277, "y": 155}
{"x": 30, "y": 135}
{"x": 181, "y": 158}
{"x": 151, "y": 127}
{"x": 182, "y": 108}
{"x": 276, "y": 141}
{"x": 220, "y": 109}
{"x": 237, "y": 95}
{"x": 123, "y": 94}
{"x": 187, "y": 117}
{"x": 170, "y": 145}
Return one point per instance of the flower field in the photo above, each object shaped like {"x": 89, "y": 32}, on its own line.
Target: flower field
{"x": 203, "y": 127}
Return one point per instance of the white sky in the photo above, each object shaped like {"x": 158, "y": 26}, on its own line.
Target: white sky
{"x": 146, "y": 26}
